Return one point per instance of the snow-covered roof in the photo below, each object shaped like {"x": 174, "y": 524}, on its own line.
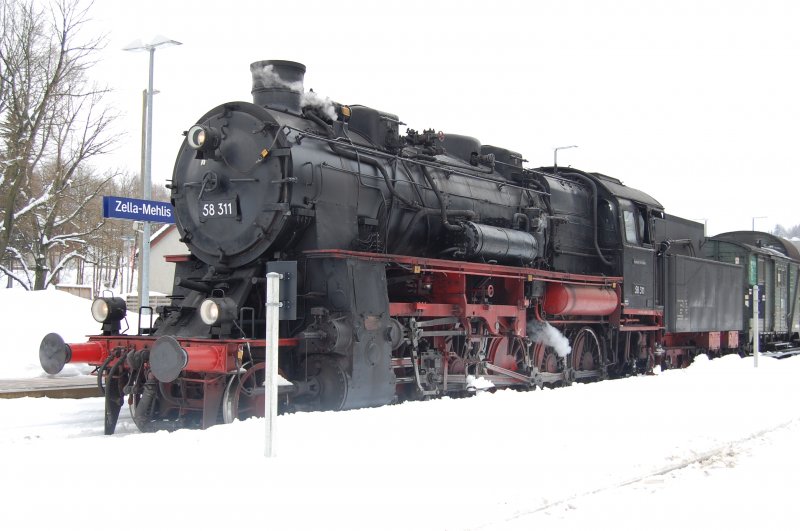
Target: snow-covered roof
{"x": 160, "y": 233}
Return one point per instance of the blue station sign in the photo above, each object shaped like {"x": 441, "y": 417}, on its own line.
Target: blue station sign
{"x": 137, "y": 209}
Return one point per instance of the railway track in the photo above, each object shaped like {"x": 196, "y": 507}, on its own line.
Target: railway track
{"x": 726, "y": 449}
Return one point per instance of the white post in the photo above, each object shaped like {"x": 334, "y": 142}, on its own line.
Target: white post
{"x": 755, "y": 326}
{"x": 271, "y": 376}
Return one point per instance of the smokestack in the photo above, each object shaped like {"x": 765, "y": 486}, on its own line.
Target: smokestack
{"x": 278, "y": 84}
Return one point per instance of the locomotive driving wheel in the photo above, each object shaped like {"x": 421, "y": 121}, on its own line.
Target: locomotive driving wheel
{"x": 550, "y": 369}
{"x": 546, "y": 359}
{"x": 586, "y": 352}
{"x": 328, "y": 382}
{"x": 244, "y": 395}
{"x": 511, "y": 353}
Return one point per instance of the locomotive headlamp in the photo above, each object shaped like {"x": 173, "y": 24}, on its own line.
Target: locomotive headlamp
{"x": 216, "y": 311}
{"x": 203, "y": 138}
{"x": 108, "y": 310}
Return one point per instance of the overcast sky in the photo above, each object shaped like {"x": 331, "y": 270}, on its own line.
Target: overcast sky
{"x": 694, "y": 102}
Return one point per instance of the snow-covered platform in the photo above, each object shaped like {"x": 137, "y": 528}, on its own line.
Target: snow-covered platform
{"x": 64, "y": 387}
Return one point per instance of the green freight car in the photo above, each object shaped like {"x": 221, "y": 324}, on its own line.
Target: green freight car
{"x": 773, "y": 264}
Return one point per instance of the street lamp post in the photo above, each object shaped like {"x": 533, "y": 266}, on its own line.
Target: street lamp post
{"x": 705, "y": 224}
{"x": 144, "y": 266}
{"x": 555, "y": 157}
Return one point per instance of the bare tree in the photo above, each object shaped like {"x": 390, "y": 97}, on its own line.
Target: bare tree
{"x": 78, "y": 134}
{"x": 110, "y": 249}
{"x": 51, "y": 123}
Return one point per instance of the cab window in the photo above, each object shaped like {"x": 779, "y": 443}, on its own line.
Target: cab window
{"x": 635, "y": 219}
{"x": 645, "y": 237}
{"x": 630, "y": 226}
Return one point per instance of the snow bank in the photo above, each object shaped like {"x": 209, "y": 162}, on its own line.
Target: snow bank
{"x": 27, "y": 316}
{"x": 497, "y": 459}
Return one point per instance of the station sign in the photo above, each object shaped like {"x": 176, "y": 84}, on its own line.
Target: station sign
{"x": 137, "y": 209}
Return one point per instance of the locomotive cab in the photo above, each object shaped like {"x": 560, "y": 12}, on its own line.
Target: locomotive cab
{"x": 599, "y": 224}
{"x": 638, "y": 255}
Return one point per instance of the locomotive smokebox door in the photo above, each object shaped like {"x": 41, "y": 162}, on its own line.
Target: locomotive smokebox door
{"x": 288, "y": 288}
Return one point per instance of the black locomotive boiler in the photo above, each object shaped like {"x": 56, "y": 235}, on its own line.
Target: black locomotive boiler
{"x": 422, "y": 262}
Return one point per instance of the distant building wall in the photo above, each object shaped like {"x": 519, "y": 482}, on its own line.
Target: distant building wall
{"x": 165, "y": 242}
{"x": 81, "y": 291}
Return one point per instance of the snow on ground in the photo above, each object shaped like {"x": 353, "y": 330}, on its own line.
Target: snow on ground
{"x": 748, "y": 485}
{"x": 712, "y": 446}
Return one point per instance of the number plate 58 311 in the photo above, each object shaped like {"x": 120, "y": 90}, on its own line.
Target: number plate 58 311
{"x": 217, "y": 209}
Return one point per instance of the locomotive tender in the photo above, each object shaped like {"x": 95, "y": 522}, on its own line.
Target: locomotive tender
{"x": 421, "y": 262}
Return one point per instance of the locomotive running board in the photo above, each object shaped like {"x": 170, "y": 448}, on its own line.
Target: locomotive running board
{"x": 443, "y": 265}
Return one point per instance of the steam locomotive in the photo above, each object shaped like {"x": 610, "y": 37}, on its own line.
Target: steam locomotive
{"x": 423, "y": 264}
